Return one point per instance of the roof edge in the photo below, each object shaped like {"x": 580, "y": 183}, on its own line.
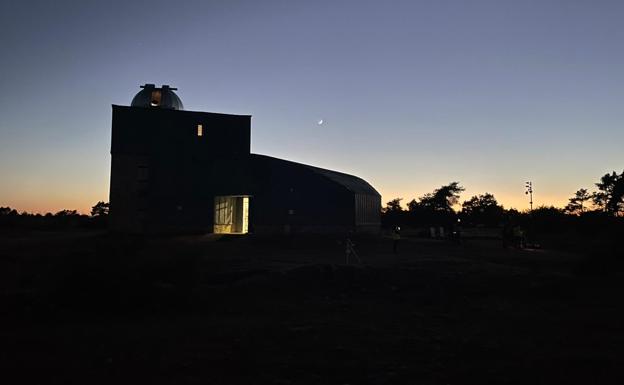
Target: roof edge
{"x": 326, "y": 173}
{"x": 166, "y": 109}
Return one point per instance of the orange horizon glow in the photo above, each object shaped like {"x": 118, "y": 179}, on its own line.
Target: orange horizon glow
{"x": 82, "y": 207}
{"x": 27, "y": 203}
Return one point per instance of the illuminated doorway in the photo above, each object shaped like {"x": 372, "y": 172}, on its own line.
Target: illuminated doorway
{"x": 231, "y": 215}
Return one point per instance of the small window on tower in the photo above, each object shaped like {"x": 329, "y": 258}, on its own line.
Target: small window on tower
{"x": 200, "y": 130}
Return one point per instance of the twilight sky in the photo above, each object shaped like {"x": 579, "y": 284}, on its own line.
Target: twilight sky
{"x": 414, "y": 94}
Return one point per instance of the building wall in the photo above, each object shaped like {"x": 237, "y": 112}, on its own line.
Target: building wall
{"x": 164, "y": 177}
{"x": 127, "y": 189}
{"x": 138, "y": 130}
{"x": 289, "y": 198}
{"x": 367, "y": 212}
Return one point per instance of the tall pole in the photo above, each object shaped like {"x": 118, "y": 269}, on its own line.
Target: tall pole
{"x": 529, "y": 192}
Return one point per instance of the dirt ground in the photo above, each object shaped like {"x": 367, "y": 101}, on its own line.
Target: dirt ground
{"x": 90, "y": 308}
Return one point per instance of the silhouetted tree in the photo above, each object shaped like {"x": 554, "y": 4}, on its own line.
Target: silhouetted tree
{"x": 483, "y": 210}
{"x": 577, "y": 202}
{"x": 435, "y": 208}
{"x": 547, "y": 211}
{"x": 417, "y": 214}
{"x": 8, "y": 217}
{"x": 393, "y": 214}
{"x": 7, "y": 211}
{"x": 412, "y": 205}
{"x": 66, "y": 213}
{"x": 100, "y": 209}
{"x": 546, "y": 219}
{"x": 610, "y": 197}
{"x": 442, "y": 199}
{"x": 393, "y": 206}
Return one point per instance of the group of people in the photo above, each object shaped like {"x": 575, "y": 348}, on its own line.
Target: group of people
{"x": 513, "y": 235}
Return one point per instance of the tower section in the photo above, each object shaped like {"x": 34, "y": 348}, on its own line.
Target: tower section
{"x": 168, "y": 164}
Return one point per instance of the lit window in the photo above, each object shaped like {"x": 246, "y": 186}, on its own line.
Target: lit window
{"x": 200, "y": 130}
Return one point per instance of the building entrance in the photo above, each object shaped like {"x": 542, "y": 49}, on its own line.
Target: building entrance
{"x": 231, "y": 214}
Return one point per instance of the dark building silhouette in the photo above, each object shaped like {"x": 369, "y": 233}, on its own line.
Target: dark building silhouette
{"x": 176, "y": 171}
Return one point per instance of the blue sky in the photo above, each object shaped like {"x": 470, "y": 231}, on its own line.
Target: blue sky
{"x": 413, "y": 94}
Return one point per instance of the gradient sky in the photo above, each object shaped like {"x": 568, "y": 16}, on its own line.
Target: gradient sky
{"x": 414, "y": 94}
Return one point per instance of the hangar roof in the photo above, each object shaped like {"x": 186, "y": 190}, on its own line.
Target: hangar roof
{"x": 350, "y": 182}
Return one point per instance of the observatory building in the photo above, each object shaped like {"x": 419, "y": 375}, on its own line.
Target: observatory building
{"x": 177, "y": 171}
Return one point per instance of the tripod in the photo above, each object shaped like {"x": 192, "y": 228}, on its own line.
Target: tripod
{"x": 350, "y": 250}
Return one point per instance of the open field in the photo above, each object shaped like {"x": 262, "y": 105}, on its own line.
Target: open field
{"x": 85, "y": 307}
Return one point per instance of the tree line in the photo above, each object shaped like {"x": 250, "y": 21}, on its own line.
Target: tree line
{"x": 438, "y": 208}
{"x": 11, "y": 218}
{"x": 608, "y": 198}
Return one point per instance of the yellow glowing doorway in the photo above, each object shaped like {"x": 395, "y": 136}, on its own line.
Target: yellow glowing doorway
{"x": 231, "y": 214}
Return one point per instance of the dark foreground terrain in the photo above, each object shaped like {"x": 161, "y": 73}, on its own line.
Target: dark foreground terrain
{"x": 89, "y": 308}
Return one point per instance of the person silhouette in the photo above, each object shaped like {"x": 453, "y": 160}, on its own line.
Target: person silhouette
{"x": 396, "y": 237}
